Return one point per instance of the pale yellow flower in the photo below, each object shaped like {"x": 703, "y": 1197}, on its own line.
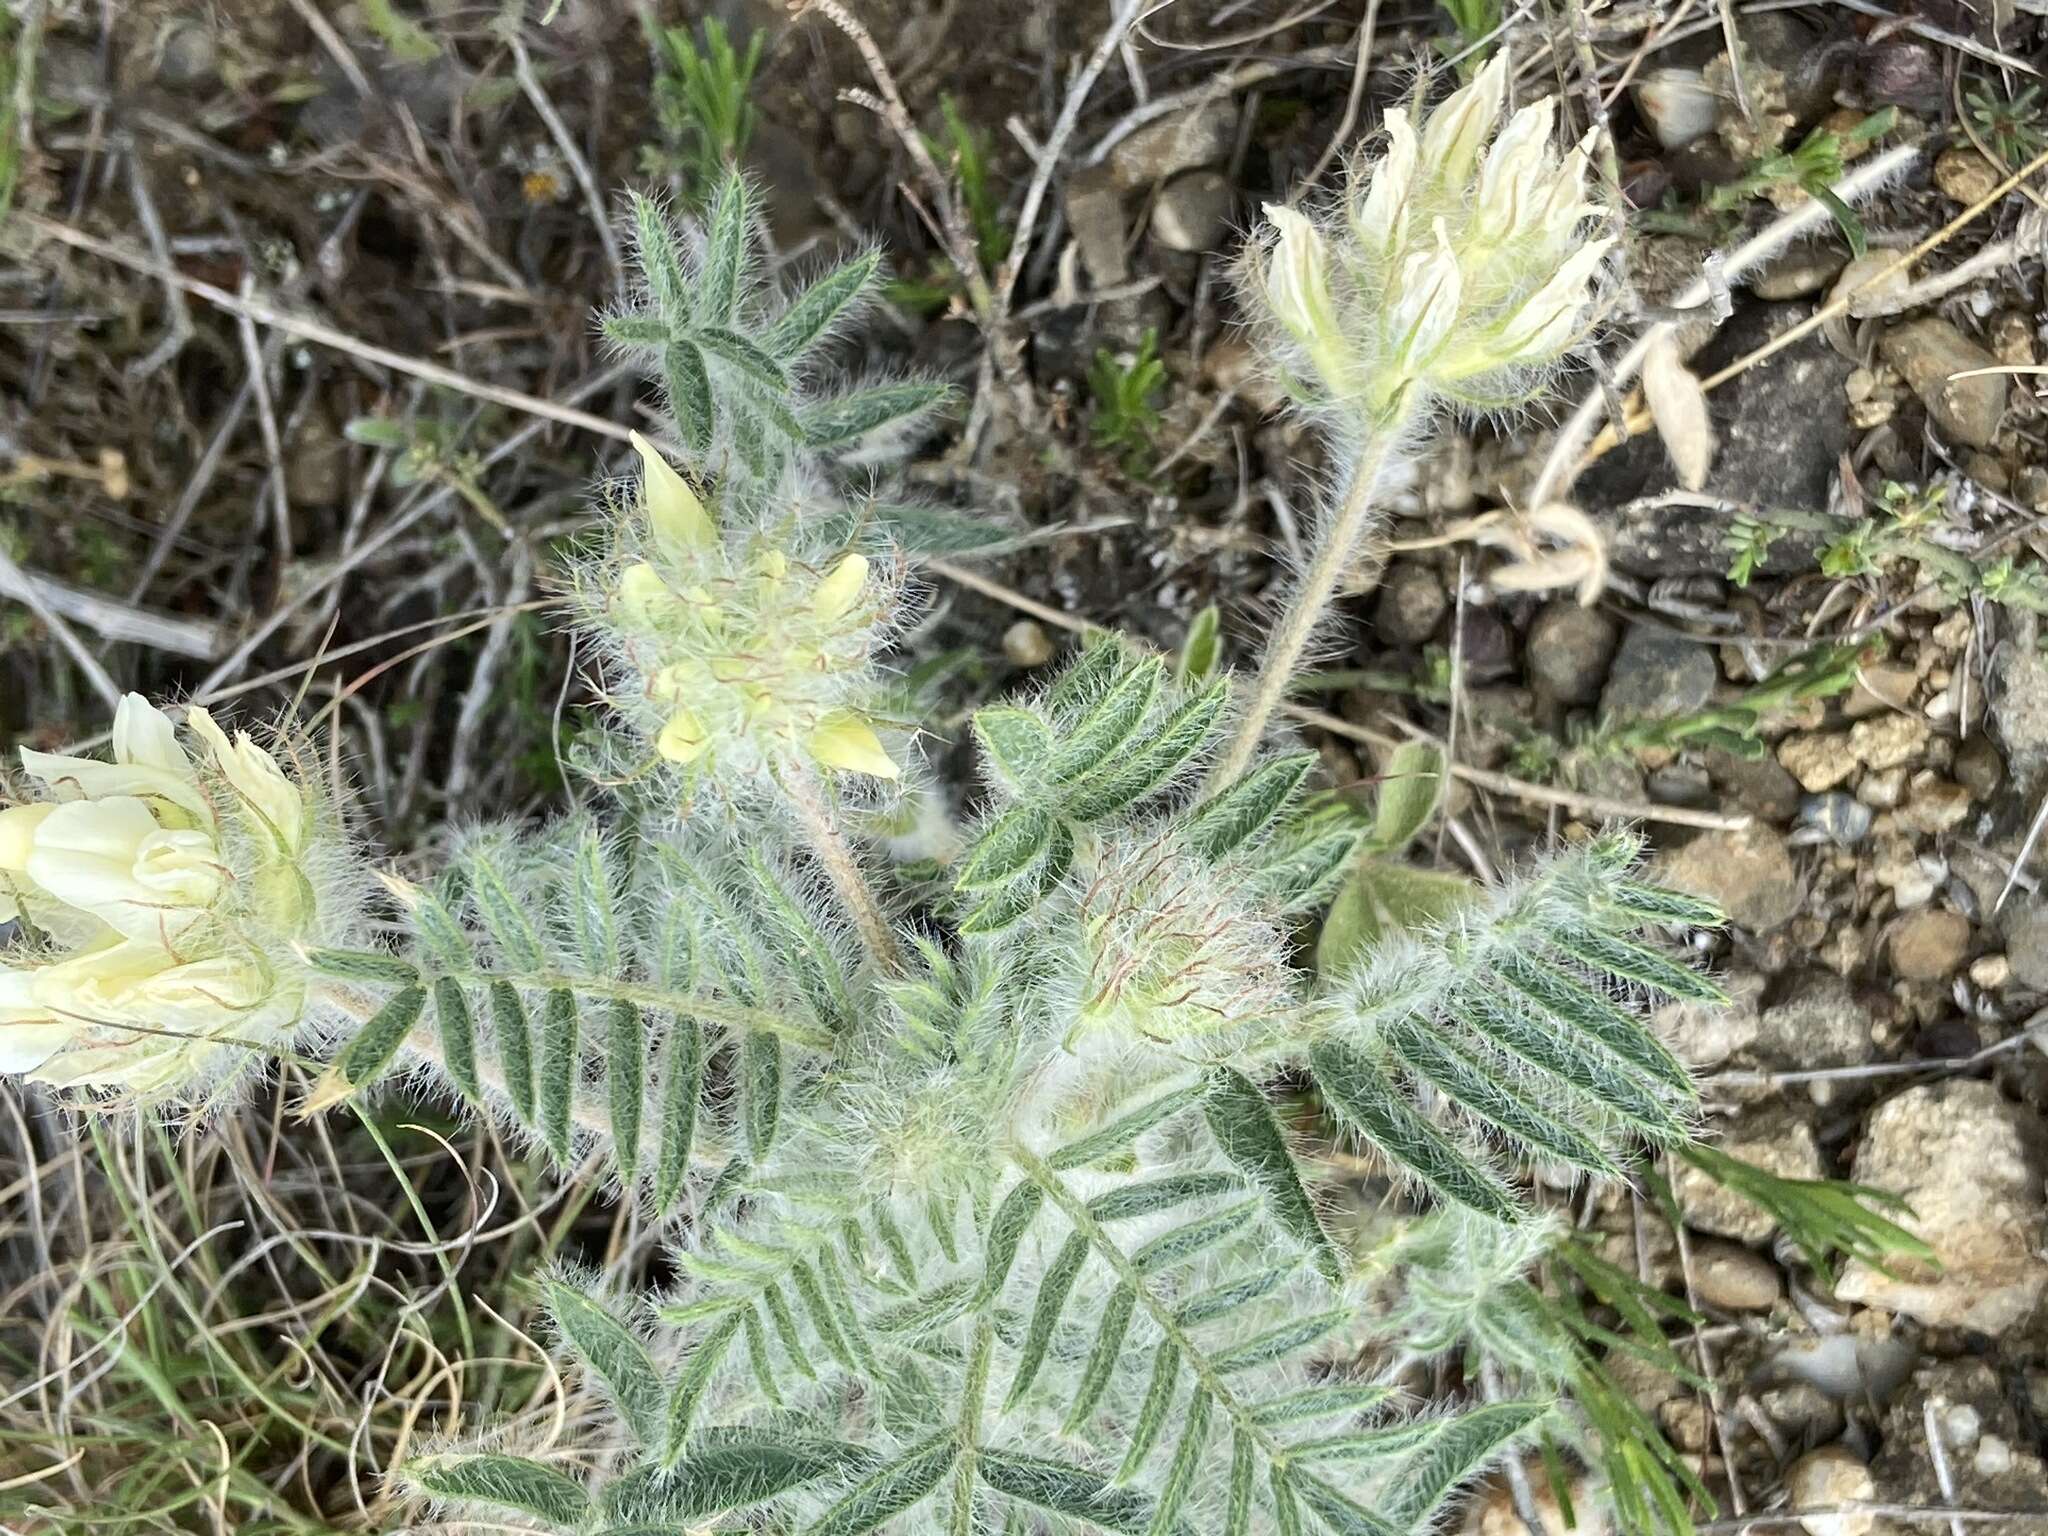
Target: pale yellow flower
{"x": 155, "y": 893}
{"x": 1455, "y": 267}
{"x": 749, "y": 661}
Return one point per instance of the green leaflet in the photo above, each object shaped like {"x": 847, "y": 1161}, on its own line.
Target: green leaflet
{"x": 1187, "y": 1461}
{"x": 717, "y": 1478}
{"x": 688, "y": 1392}
{"x": 1102, "y": 1357}
{"x": 888, "y": 1492}
{"x": 682, "y": 1083}
{"x": 1018, "y": 839}
{"x": 1183, "y": 1243}
{"x": 1249, "y": 1135}
{"x": 821, "y": 306}
{"x": 1237, "y": 1515}
{"x": 1053, "y": 1291}
{"x": 1065, "y": 1489}
{"x": 1370, "y": 1104}
{"x": 1117, "y": 1137}
{"x": 1016, "y": 743}
{"x": 1160, "y": 1194}
{"x": 365, "y": 965}
{"x": 614, "y": 1353}
{"x": 458, "y": 1037}
{"x": 1006, "y": 1231}
{"x": 1379, "y": 900}
{"x": 560, "y": 1066}
{"x": 1410, "y": 789}
{"x": 502, "y": 1482}
{"x": 1201, "y": 652}
{"x": 1159, "y": 1393}
{"x": 515, "y": 1047}
{"x": 1460, "y": 1447}
{"x": 370, "y": 1052}
{"x": 849, "y": 418}
{"x": 626, "y": 1064}
{"x": 1223, "y": 823}
{"x": 761, "y": 1069}
{"x": 1348, "y": 1398}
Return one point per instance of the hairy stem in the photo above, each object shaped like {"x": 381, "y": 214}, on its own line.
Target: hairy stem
{"x": 837, "y": 855}
{"x": 1341, "y": 535}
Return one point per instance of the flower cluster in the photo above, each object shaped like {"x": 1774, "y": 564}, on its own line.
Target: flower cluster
{"x": 1448, "y": 270}
{"x": 159, "y": 900}
{"x": 741, "y": 656}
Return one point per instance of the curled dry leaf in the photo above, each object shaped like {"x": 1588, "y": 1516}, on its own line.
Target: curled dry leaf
{"x": 1679, "y": 406}
{"x": 1554, "y": 546}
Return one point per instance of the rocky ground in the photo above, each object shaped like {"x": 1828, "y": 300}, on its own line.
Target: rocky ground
{"x": 1804, "y": 649}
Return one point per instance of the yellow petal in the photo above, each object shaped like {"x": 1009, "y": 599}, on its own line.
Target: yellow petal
{"x": 839, "y": 590}
{"x": 18, "y": 825}
{"x": 678, "y": 518}
{"x": 641, "y": 592}
{"x": 844, "y": 740}
{"x": 682, "y": 740}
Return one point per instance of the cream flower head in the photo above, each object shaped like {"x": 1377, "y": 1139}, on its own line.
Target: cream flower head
{"x": 742, "y": 659}
{"x": 1448, "y": 270}
{"x": 157, "y": 900}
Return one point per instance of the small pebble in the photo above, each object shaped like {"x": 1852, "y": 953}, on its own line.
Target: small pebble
{"x": 1819, "y": 760}
{"x": 1929, "y": 945}
{"x": 1990, "y": 972}
{"x": 1733, "y": 1277}
{"x": 1026, "y": 644}
{"x": 1965, "y": 175}
{"x": 1842, "y": 819}
{"x": 1831, "y": 1475}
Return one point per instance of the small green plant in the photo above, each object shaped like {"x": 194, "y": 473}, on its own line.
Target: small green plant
{"x": 1823, "y": 1218}
{"x": 2016, "y": 126}
{"x": 1126, "y": 393}
{"x": 1812, "y": 167}
{"x": 1821, "y": 673}
{"x": 702, "y": 105}
{"x": 431, "y": 451}
{"x": 1906, "y": 524}
{"x": 409, "y": 42}
{"x": 992, "y": 1220}
{"x": 965, "y": 149}
{"x": 1476, "y": 21}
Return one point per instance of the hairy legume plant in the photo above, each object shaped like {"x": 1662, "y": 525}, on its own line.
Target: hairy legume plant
{"x": 993, "y": 1201}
